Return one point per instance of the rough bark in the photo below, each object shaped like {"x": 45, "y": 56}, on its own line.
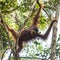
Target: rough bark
{"x": 54, "y": 36}
{"x": 1, "y": 46}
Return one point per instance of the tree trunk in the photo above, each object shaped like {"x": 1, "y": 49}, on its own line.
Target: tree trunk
{"x": 1, "y": 46}
{"x": 54, "y": 36}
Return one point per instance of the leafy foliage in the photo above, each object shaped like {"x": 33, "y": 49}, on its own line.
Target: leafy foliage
{"x": 15, "y": 12}
{"x": 3, "y": 36}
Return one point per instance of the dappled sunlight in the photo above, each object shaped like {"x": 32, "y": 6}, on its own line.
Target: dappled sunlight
{"x": 22, "y": 33}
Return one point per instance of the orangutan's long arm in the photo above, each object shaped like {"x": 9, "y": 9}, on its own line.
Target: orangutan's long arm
{"x": 47, "y": 32}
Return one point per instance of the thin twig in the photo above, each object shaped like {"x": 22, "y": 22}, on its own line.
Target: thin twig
{"x": 4, "y": 53}
{"x": 47, "y": 13}
{"x": 6, "y": 30}
{"x": 31, "y": 57}
{"x": 29, "y": 14}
